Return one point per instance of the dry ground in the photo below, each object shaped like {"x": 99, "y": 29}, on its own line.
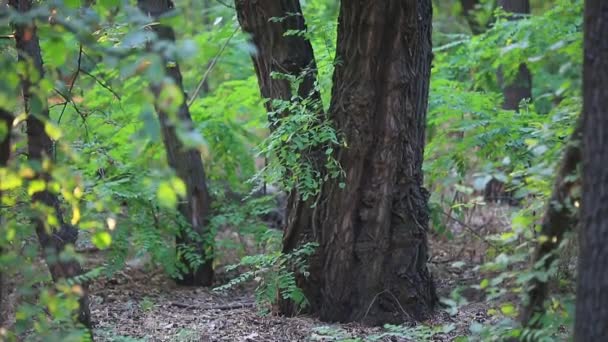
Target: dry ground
{"x": 142, "y": 305}
{"x": 139, "y": 305}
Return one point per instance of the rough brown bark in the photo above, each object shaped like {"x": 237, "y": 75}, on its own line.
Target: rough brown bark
{"x": 52, "y": 239}
{"x": 187, "y": 162}
{"x": 592, "y": 287}
{"x": 561, "y": 217}
{"x": 293, "y": 55}
{"x": 371, "y": 263}
{"x": 520, "y": 87}
{"x": 6, "y": 120}
{"x": 267, "y": 22}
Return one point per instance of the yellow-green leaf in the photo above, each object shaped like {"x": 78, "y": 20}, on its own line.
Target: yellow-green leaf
{"x": 52, "y": 131}
{"x": 35, "y": 186}
{"x": 9, "y": 180}
{"x": 102, "y": 240}
{"x": 166, "y": 196}
{"x": 178, "y": 186}
{"x": 75, "y": 215}
{"x": 508, "y": 309}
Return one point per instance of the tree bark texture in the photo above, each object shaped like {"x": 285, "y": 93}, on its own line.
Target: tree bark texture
{"x": 371, "y": 263}
{"x": 293, "y": 55}
{"x": 267, "y": 23}
{"x": 520, "y": 87}
{"x": 561, "y": 217}
{"x": 187, "y": 162}
{"x": 592, "y": 287}
{"x": 6, "y": 120}
{"x": 52, "y": 239}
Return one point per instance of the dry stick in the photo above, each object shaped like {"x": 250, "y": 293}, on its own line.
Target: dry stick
{"x": 206, "y": 74}
{"x": 214, "y": 307}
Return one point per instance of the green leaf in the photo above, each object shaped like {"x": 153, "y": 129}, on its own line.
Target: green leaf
{"x": 508, "y": 309}
{"x": 36, "y": 186}
{"x": 52, "y": 130}
{"x": 108, "y": 4}
{"x": 72, "y": 3}
{"x": 166, "y": 195}
{"x": 102, "y": 240}
{"x": 179, "y": 186}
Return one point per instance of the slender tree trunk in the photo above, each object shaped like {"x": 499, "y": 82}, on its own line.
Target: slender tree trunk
{"x": 267, "y": 23}
{"x": 514, "y": 91}
{"x": 561, "y": 217}
{"x": 6, "y": 120}
{"x": 468, "y": 9}
{"x": 187, "y": 162}
{"x": 520, "y": 87}
{"x": 52, "y": 239}
{"x": 592, "y": 289}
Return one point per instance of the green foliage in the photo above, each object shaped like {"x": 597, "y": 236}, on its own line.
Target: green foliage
{"x": 472, "y": 140}
{"x": 275, "y": 274}
{"x": 302, "y": 144}
{"x": 109, "y": 169}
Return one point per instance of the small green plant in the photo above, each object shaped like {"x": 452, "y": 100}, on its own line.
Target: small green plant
{"x": 275, "y": 275}
{"x": 146, "y": 304}
{"x": 301, "y": 144}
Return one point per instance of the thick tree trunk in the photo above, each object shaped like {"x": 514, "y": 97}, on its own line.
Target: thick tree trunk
{"x": 6, "y": 120}
{"x": 52, "y": 239}
{"x": 592, "y": 288}
{"x": 561, "y": 217}
{"x": 371, "y": 263}
{"x": 187, "y": 162}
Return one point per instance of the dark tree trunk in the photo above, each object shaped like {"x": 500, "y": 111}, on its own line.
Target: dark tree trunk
{"x": 293, "y": 55}
{"x": 371, "y": 263}
{"x": 514, "y": 91}
{"x": 561, "y": 217}
{"x": 592, "y": 288}
{"x": 6, "y": 120}
{"x": 187, "y": 162}
{"x": 520, "y": 87}
{"x": 267, "y": 22}
{"x": 52, "y": 239}
{"x": 468, "y": 9}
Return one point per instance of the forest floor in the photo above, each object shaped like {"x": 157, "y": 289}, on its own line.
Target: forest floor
{"x": 142, "y": 305}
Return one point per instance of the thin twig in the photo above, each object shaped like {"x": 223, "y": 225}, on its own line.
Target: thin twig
{"x": 225, "y": 4}
{"x": 469, "y": 228}
{"x": 211, "y": 65}
{"x": 101, "y": 83}
{"x": 72, "y": 84}
{"x": 392, "y": 295}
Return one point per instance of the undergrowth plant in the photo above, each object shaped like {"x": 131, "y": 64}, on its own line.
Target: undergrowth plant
{"x": 275, "y": 274}
{"x": 472, "y": 141}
